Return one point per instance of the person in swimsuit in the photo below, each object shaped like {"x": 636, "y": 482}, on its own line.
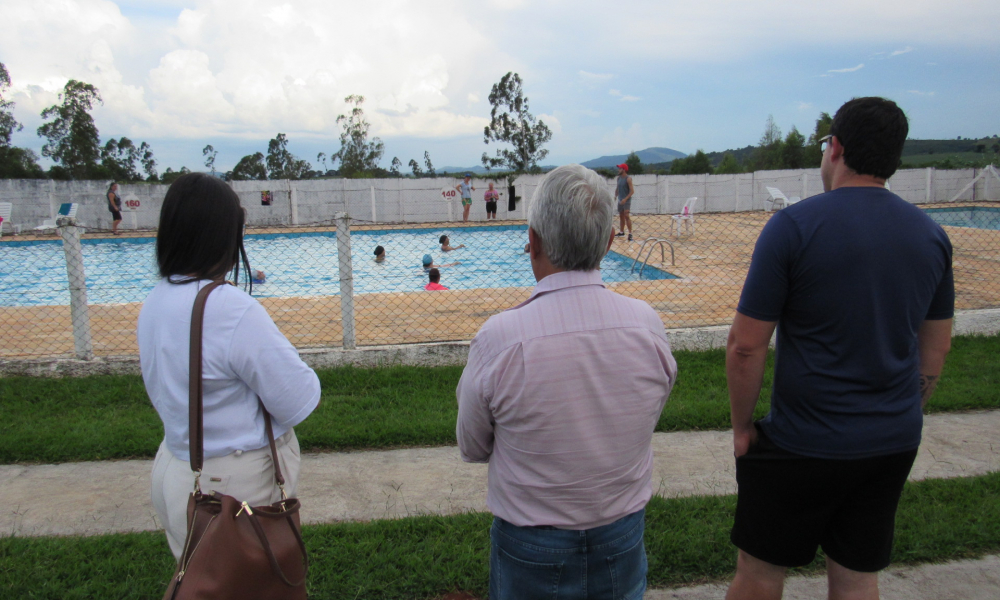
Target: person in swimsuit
{"x": 466, "y": 188}
{"x": 115, "y": 206}
{"x": 491, "y": 197}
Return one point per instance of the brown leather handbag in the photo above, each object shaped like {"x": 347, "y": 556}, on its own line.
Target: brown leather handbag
{"x": 234, "y": 550}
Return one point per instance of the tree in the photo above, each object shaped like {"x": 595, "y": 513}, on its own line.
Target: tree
{"x": 415, "y": 166}
{"x": 395, "y": 166}
{"x": 282, "y": 164}
{"x": 148, "y": 162}
{"x": 728, "y": 165}
{"x": 170, "y": 175}
{"x": 430, "y": 166}
{"x": 321, "y": 159}
{"x": 119, "y": 158}
{"x": 793, "y": 150}
{"x": 634, "y": 164}
{"x": 511, "y": 122}
{"x": 812, "y": 156}
{"x": 357, "y": 155}
{"x": 8, "y": 124}
{"x": 249, "y": 167}
{"x": 768, "y": 154}
{"x": 209, "y": 153}
{"x": 15, "y": 163}
{"x": 73, "y": 141}
{"x": 19, "y": 163}
{"x": 692, "y": 165}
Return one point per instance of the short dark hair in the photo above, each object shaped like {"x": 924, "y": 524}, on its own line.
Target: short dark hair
{"x": 201, "y": 230}
{"x": 379, "y": 250}
{"x": 442, "y": 239}
{"x": 872, "y": 131}
{"x": 434, "y": 275}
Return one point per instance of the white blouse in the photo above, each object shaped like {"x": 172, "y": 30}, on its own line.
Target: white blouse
{"x": 243, "y": 356}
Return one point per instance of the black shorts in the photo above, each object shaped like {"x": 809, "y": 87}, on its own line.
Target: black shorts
{"x": 116, "y": 215}
{"x": 491, "y": 206}
{"x": 789, "y": 504}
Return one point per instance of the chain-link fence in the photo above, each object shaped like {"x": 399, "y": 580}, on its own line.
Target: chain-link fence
{"x": 64, "y": 292}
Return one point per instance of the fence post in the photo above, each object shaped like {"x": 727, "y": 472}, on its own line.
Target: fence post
{"x": 374, "y": 217}
{"x": 346, "y": 279}
{"x": 930, "y": 184}
{"x": 83, "y": 345}
{"x": 293, "y": 199}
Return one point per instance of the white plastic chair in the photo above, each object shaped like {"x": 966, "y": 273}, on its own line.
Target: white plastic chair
{"x": 686, "y": 216}
{"x": 778, "y": 197}
{"x": 67, "y": 209}
{"x": 5, "y": 209}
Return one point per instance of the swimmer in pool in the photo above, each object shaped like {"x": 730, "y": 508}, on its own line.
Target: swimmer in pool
{"x": 446, "y": 244}
{"x": 428, "y": 263}
{"x": 379, "y": 254}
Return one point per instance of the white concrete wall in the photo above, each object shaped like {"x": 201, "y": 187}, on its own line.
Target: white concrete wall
{"x": 314, "y": 202}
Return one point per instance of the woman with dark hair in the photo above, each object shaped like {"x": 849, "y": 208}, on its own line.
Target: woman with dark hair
{"x": 244, "y": 357}
{"x": 115, "y": 206}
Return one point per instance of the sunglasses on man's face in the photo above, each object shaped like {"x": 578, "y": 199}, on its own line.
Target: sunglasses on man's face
{"x": 824, "y": 142}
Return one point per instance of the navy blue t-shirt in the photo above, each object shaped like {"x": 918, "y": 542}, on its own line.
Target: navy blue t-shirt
{"x": 849, "y": 276}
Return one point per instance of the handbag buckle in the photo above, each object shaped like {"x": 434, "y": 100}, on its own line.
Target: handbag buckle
{"x": 197, "y": 481}
{"x": 246, "y": 507}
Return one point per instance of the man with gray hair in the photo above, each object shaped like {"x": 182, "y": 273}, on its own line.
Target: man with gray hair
{"x": 560, "y": 396}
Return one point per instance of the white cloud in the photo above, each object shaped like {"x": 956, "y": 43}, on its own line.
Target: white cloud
{"x": 552, "y": 122}
{"x": 250, "y": 68}
{"x": 615, "y": 93}
{"x": 805, "y": 106}
{"x": 630, "y": 98}
{"x": 590, "y": 113}
{"x": 848, "y": 70}
{"x": 595, "y": 77}
{"x": 898, "y": 52}
{"x": 919, "y": 93}
{"x": 623, "y": 140}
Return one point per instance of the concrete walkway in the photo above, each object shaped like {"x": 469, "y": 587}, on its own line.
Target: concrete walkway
{"x": 958, "y": 580}
{"x": 94, "y": 498}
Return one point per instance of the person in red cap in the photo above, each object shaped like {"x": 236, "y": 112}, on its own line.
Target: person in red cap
{"x": 623, "y": 195}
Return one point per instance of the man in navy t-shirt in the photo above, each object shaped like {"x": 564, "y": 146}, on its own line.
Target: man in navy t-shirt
{"x": 859, "y": 285}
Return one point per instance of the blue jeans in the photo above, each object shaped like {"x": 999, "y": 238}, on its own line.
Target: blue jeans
{"x": 529, "y": 563}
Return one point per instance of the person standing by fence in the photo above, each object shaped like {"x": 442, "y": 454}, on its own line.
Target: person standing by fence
{"x": 115, "y": 206}
{"x": 567, "y": 432}
{"x": 465, "y": 188}
{"x": 861, "y": 283}
{"x": 623, "y": 195}
{"x": 249, "y": 365}
{"x": 491, "y": 196}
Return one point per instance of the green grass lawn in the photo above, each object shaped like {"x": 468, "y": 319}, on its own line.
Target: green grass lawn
{"x": 107, "y": 417}
{"x": 687, "y": 540}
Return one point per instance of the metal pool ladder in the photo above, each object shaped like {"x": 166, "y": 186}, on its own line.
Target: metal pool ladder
{"x": 655, "y": 242}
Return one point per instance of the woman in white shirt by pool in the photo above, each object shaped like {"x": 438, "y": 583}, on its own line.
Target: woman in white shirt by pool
{"x": 244, "y": 356}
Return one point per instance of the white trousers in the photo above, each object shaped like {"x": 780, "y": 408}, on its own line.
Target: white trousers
{"x": 247, "y": 476}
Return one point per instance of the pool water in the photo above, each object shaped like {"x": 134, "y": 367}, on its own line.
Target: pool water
{"x": 296, "y": 264}
{"x": 979, "y": 217}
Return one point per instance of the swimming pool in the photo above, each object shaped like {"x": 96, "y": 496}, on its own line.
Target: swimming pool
{"x": 979, "y": 217}
{"x": 123, "y": 270}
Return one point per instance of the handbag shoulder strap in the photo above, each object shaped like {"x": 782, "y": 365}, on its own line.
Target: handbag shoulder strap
{"x": 196, "y": 429}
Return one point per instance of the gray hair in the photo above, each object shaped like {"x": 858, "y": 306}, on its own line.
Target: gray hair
{"x": 571, "y": 211}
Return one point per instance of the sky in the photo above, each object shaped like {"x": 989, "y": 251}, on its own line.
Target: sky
{"x": 607, "y": 78}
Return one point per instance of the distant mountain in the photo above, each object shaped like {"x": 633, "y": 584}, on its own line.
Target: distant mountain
{"x": 647, "y": 156}
{"x": 480, "y": 170}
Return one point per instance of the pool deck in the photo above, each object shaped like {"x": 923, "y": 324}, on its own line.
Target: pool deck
{"x": 711, "y": 264}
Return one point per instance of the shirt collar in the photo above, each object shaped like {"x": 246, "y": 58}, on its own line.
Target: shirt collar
{"x": 563, "y": 280}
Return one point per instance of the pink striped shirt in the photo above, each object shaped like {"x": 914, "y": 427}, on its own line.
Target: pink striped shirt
{"x": 560, "y": 395}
